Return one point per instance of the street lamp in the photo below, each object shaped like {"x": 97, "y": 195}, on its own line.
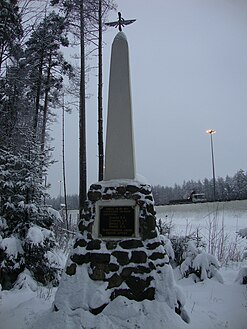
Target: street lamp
{"x": 211, "y": 132}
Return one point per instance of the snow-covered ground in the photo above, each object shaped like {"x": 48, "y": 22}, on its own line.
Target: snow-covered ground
{"x": 216, "y": 222}
{"x": 209, "y": 304}
{"x": 188, "y": 217}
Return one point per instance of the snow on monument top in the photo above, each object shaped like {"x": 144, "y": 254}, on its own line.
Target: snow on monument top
{"x": 120, "y": 36}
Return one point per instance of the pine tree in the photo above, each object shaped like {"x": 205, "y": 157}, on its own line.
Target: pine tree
{"x": 32, "y": 82}
{"x": 239, "y": 185}
{"x": 46, "y": 67}
{"x": 26, "y": 236}
{"x": 10, "y": 30}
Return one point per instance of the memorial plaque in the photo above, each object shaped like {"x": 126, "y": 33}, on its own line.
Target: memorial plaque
{"x": 117, "y": 221}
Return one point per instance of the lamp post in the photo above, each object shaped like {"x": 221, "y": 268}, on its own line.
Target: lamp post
{"x": 60, "y": 192}
{"x": 211, "y": 132}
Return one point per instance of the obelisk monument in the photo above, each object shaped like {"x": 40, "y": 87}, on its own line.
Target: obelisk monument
{"x": 119, "y": 155}
{"x": 118, "y": 259}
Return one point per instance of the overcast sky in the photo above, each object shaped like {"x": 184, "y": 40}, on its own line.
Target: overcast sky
{"x": 188, "y": 73}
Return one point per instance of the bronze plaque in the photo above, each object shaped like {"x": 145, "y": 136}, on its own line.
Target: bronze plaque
{"x": 117, "y": 221}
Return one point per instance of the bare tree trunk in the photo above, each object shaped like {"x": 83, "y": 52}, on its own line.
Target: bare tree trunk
{"x": 64, "y": 171}
{"x": 45, "y": 111}
{"x": 1, "y": 57}
{"x": 82, "y": 118}
{"x": 38, "y": 91}
{"x": 100, "y": 107}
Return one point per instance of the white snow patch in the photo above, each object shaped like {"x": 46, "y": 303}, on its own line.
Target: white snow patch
{"x": 167, "y": 246}
{"x": 36, "y": 235}
{"x": 118, "y": 182}
{"x": 26, "y": 281}
{"x": 55, "y": 214}
{"x": 210, "y": 305}
{"x": 11, "y": 246}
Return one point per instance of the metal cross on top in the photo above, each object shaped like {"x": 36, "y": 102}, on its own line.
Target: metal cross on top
{"x": 121, "y": 22}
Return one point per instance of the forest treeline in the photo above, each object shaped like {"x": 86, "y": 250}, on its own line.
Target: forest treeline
{"x": 226, "y": 189}
{"x": 37, "y": 82}
{"x": 229, "y": 188}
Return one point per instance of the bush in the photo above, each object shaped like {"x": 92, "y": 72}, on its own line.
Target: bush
{"x": 26, "y": 241}
{"x": 199, "y": 264}
{"x": 242, "y": 276}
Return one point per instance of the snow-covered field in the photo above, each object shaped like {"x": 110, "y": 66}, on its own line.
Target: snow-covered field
{"x": 209, "y": 304}
{"x": 216, "y": 222}
{"x": 188, "y": 217}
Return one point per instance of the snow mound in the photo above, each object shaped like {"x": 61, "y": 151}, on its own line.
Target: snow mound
{"x": 133, "y": 315}
{"x": 25, "y": 281}
{"x": 121, "y": 313}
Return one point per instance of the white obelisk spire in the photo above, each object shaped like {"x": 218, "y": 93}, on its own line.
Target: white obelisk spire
{"x": 119, "y": 154}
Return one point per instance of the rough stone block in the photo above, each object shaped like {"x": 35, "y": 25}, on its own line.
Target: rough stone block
{"x": 121, "y": 190}
{"x": 157, "y": 255}
{"x": 150, "y": 208}
{"x": 149, "y": 235}
{"x": 95, "y": 187}
{"x": 136, "y": 197}
{"x": 115, "y": 281}
{"x": 107, "y": 268}
{"x": 86, "y": 216}
{"x": 110, "y": 245}
{"x": 145, "y": 191}
{"x": 132, "y": 188}
{"x": 94, "y": 245}
{"x": 137, "y": 285}
{"x": 90, "y": 227}
{"x": 80, "y": 243}
{"x": 122, "y": 257}
{"x": 107, "y": 197}
{"x": 122, "y": 292}
{"x": 138, "y": 257}
{"x": 127, "y": 271}
{"x": 138, "y": 295}
{"x": 113, "y": 267}
{"x": 149, "y": 293}
{"x": 131, "y": 244}
{"x": 142, "y": 270}
{"x": 152, "y": 246}
{"x": 71, "y": 269}
{"x": 109, "y": 189}
{"x": 151, "y": 223}
{"x": 98, "y": 273}
{"x": 80, "y": 259}
{"x": 94, "y": 196}
{"x": 151, "y": 265}
{"x": 100, "y": 258}
{"x": 141, "y": 203}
